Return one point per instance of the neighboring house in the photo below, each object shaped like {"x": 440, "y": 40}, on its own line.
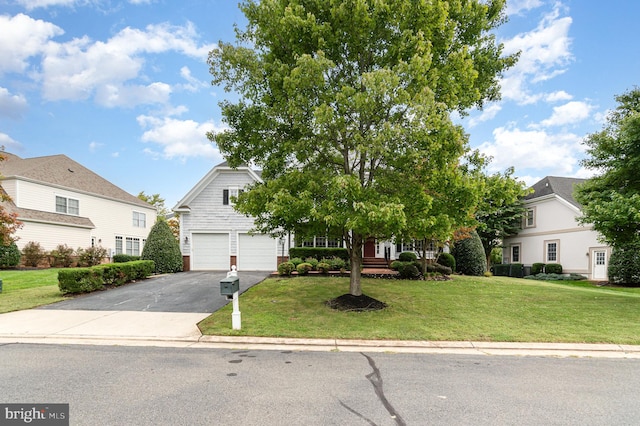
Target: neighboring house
{"x": 213, "y": 236}
{"x": 61, "y": 202}
{"x": 551, "y": 234}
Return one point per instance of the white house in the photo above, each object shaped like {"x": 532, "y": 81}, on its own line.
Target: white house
{"x": 60, "y": 201}
{"x": 213, "y": 236}
{"x": 551, "y": 234}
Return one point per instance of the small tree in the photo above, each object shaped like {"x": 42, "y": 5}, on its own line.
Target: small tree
{"x": 163, "y": 249}
{"x": 624, "y": 265}
{"x": 62, "y": 255}
{"x": 469, "y": 255}
{"x": 9, "y": 256}
{"x": 91, "y": 256}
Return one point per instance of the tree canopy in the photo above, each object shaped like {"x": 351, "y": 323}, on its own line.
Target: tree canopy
{"x": 345, "y": 105}
{"x": 611, "y": 200}
{"x": 156, "y": 201}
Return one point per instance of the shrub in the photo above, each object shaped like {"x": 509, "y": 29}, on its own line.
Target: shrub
{"x": 61, "y": 256}
{"x": 319, "y": 252}
{"x": 122, "y": 258}
{"x": 163, "y": 248}
{"x": 286, "y": 268}
{"x": 32, "y": 254}
{"x": 9, "y": 256}
{"x": 537, "y": 268}
{"x": 469, "y": 255}
{"x": 440, "y": 269}
{"x": 91, "y": 256}
{"x": 304, "y": 268}
{"x": 80, "y": 280}
{"x": 553, "y": 268}
{"x": 323, "y": 267}
{"x": 296, "y": 261}
{"x": 312, "y": 261}
{"x": 335, "y": 263}
{"x": 408, "y": 271}
{"x": 501, "y": 270}
{"x": 516, "y": 270}
{"x": 556, "y": 277}
{"x": 407, "y": 256}
{"x": 624, "y": 265}
{"x": 447, "y": 259}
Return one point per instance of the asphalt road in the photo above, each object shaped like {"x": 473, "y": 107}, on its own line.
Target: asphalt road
{"x": 108, "y": 385}
{"x": 195, "y": 292}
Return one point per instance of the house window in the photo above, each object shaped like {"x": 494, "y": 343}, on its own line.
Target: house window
{"x": 515, "y": 254}
{"x": 118, "y": 245}
{"x": 321, "y": 241}
{"x": 228, "y": 195}
{"x": 67, "y": 205}
{"x": 530, "y": 218}
{"x": 133, "y": 246}
{"x": 552, "y": 251}
{"x": 139, "y": 220}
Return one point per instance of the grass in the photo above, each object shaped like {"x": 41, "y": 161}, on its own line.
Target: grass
{"x": 464, "y": 309}
{"x": 28, "y": 289}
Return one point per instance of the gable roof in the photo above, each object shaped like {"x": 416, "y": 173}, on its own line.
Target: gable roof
{"x": 183, "y": 204}
{"x": 61, "y": 171}
{"x": 561, "y": 186}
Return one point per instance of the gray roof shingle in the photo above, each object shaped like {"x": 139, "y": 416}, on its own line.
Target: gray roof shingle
{"x": 561, "y": 186}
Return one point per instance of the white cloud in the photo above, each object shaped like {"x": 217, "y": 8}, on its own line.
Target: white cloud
{"x": 193, "y": 84}
{"x": 11, "y": 106}
{"x": 556, "y": 154}
{"x": 93, "y": 146}
{"x": 487, "y": 114}
{"x": 544, "y": 54}
{"x": 179, "y": 138}
{"x": 82, "y": 68}
{"x": 21, "y": 38}
{"x": 558, "y": 96}
{"x": 569, "y": 113}
{"x": 36, "y": 4}
{"x": 9, "y": 143}
{"x": 514, "y": 7}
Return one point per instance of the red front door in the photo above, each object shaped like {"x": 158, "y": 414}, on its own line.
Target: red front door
{"x": 370, "y": 247}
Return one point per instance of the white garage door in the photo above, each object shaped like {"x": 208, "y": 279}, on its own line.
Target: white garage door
{"x": 256, "y": 253}
{"x": 210, "y": 252}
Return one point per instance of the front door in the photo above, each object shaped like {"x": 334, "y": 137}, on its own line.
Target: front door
{"x": 370, "y": 247}
{"x": 599, "y": 264}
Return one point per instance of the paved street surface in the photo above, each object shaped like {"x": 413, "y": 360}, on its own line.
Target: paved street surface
{"x": 108, "y": 385}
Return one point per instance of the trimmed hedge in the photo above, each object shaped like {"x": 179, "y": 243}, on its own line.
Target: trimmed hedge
{"x": 514, "y": 270}
{"x": 319, "y": 252}
{"x": 447, "y": 259}
{"x": 122, "y": 258}
{"x": 552, "y": 268}
{"x": 85, "y": 280}
{"x": 537, "y": 268}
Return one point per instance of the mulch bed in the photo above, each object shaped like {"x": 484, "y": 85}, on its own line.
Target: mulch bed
{"x": 349, "y": 302}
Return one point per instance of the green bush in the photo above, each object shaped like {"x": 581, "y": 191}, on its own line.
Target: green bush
{"x": 312, "y": 261}
{"x": 163, "y": 248}
{"x": 319, "y": 252}
{"x": 296, "y": 261}
{"x": 407, "y": 256}
{"x": 304, "y": 268}
{"x": 9, "y": 256}
{"x": 395, "y": 265}
{"x": 537, "y": 268}
{"x": 91, "y": 256}
{"x": 624, "y": 265}
{"x": 553, "y": 268}
{"x": 122, "y": 258}
{"x": 61, "y": 256}
{"x": 408, "y": 271}
{"x": 80, "y": 280}
{"x": 516, "y": 270}
{"x": 501, "y": 270}
{"x": 556, "y": 277}
{"x": 469, "y": 255}
{"x": 447, "y": 259}
{"x": 335, "y": 263}
{"x": 286, "y": 268}
{"x": 440, "y": 269}
{"x": 323, "y": 267}
{"x": 32, "y": 254}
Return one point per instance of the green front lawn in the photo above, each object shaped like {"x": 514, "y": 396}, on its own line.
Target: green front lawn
{"x": 28, "y": 289}
{"x": 464, "y": 309}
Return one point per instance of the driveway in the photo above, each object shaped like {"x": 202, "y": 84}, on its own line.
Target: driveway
{"x": 189, "y": 292}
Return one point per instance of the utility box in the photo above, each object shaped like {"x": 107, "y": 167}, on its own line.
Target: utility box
{"x": 229, "y": 285}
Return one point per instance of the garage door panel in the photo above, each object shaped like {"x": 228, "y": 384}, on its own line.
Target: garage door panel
{"x": 210, "y": 252}
{"x": 256, "y": 253}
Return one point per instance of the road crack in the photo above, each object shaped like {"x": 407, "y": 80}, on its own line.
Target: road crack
{"x": 376, "y": 380}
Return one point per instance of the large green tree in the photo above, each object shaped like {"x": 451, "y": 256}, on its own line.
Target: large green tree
{"x": 500, "y": 210}
{"x": 345, "y": 105}
{"x": 611, "y": 200}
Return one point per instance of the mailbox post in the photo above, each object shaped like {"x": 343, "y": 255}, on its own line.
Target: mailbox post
{"x": 230, "y": 287}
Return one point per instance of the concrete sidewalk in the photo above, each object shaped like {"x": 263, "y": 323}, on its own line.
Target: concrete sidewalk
{"x": 180, "y": 330}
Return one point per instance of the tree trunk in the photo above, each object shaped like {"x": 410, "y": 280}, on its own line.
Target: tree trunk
{"x": 355, "y": 254}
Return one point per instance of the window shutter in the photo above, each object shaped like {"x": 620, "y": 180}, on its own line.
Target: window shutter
{"x": 225, "y": 197}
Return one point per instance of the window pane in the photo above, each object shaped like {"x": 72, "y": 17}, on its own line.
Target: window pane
{"x": 552, "y": 252}
{"x": 74, "y": 207}
{"x": 515, "y": 254}
{"x": 118, "y": 245}
{"x": 61, "y": 205}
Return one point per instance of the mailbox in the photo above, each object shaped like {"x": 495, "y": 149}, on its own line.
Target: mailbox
{"x": 229, "y": 285}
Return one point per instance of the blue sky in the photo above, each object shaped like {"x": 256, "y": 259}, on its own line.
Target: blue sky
{"x": 123, "y": 87}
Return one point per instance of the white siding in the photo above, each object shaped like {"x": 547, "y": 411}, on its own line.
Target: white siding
{"x": 111, "y": 218}
{"x": 49, "y": 236}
